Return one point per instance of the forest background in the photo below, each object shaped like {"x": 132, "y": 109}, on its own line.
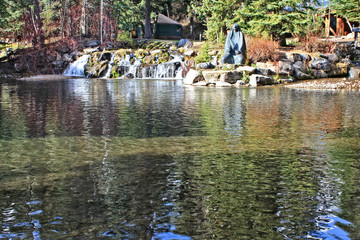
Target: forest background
{"x": 37, "y": 22}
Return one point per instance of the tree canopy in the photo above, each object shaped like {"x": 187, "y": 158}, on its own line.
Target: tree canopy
{"x": 33, "y": 20}
{"x": 348, "y": 8}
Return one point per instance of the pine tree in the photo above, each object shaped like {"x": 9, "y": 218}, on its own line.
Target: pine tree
{"x": 276, "y": 18}
{"x": 347, "y": 8}
{"x": 217, "y": 15}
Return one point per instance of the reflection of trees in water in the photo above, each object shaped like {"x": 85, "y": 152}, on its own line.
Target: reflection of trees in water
{"x": 288, "y": 152}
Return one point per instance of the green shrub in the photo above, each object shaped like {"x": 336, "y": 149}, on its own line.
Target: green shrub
{"x": 204, "y": 55}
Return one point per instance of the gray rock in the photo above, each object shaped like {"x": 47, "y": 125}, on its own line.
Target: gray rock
{"x": 201, "y": 84}
{"x": 184, "y": 42}
{"x": 259, "y": 80}
{"x": 58, "y": 64}
{"x": 92, "y": 43}
{"x": 190, "y": 53}
{"x": 333, "y": 58}
{"x": 286, "y": 67}
{"x": 222, "y": 76}
{"x": 246, "y": 70}
{"x": 264, "y": 71}
{"x": 63, "y": 49}
{"x": 319, "y": 73}
{"x": 105, "y": 56}
{"x": 19, "y": 67}
{"x": 58, "y": 56}
{"x": 302, "y": 66}
{"x": 67, "y": 57}
{"x": 305, "y": 57}
{"x": 129, "y": 76}
{"x": 287, "y": 80}
{"x": 192, "y": 77}
{"x": 321, "y": 64}
{"x": 240, "y": 83}
{"x": 91, "y": 50}
{"x": 109, "y": 45}
{"x": 207, "y": 65}
{"x": 294, "y": 57}
{"x": 223, "y": 84}
{"x": 299, "y": 75}
{"x": 354, "y": 73}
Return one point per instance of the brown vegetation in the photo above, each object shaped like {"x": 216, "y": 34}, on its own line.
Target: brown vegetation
{"x": 261, "y": 49}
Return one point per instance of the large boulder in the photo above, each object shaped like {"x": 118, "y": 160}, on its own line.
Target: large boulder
{"x": 265, "y": 71}
{"x": 354, "y": 73}
{"x": 92, "y": 43}
{"x": 206, "y": 65}
{"x": 192, "y": 77}
{"x": 339, "y": 69}
{"x": 285, "y": 67}
{"x": 223, "y": 84}
{"x": 184, "y": 43}
{"x": 299, "y": 75}
{"x": 91, "y": 50}
{"x": 319, "y": 73}
{"x": 105, "y": 56}
{"x": 222, "y": 76}
{"x": 68, "y": 57}
{"x": 63, "y": 49}
{"x": 294, "y": 57}
{"x": 246, "y": 70}
{"x": 259, "y": 80}
{"x": 321, "y": 64}
{"x": 300, "y": 65}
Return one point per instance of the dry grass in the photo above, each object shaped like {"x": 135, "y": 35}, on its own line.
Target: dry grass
{"x": 261, "y": 49}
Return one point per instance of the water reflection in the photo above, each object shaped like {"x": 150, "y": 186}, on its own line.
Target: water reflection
{"x": 148, "y": 159}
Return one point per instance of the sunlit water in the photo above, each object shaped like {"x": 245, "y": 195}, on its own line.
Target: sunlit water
{"x": 145, "y": 159}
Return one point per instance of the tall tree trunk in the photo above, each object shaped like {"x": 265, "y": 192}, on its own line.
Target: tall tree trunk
{"x": 148, "y": 34}
{"x": 38, "y": 22}
{"x": 83, "y": 19}
{"x": 33, "y": 26}
{"x": 101, "y": 20}
{"x": 63, "y": 21}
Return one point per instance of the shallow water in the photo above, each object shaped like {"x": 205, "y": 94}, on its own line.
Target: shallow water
{"x": 147, "y": 159}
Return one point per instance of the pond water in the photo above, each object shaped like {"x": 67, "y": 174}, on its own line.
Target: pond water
{"x": 148, "y": 159}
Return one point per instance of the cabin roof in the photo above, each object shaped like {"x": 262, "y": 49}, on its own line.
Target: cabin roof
{"x": 162, "y": 19}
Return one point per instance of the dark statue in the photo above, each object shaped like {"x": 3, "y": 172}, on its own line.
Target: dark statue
{"x": 235, "y": 47}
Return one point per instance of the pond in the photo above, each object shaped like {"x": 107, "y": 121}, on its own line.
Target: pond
{"x": 151, "y": 159}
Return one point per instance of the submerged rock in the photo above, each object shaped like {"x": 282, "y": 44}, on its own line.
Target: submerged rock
{"x": 129, "y": 76}
{"x": 192, "y": 77}
{"x": 354, "y": 73}
{"x": 259, "y": 80}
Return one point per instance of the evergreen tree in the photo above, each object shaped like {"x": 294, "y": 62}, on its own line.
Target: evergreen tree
{"x": 217, "y": 15}
{"x": 276, "y": 18}
{"x": 347, "y": 8}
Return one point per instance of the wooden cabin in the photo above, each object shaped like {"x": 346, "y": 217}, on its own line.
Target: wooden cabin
{"x": 339, "y": 26}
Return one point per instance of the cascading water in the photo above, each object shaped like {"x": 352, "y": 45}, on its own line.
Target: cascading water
{"x": 130, "y": 67}
{"x": 110, "y": 66}
{"x": 77, "y": 68}
{"x": 134, "y": 68}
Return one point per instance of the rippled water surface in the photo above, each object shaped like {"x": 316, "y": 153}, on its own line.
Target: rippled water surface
{"x": 145, "y": 159}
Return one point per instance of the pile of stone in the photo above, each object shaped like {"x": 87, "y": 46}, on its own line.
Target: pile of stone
{"x": 293, "y": 66}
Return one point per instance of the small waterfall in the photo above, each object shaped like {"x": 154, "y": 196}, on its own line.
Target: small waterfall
{"x": 77, "y": 68}
{"x": 110, "y": 66}
{"x": 134, "y": 68}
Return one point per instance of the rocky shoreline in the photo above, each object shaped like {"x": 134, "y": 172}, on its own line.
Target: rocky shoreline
{"x": 336, "y": 84}
{"x": 119, "y": 62}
